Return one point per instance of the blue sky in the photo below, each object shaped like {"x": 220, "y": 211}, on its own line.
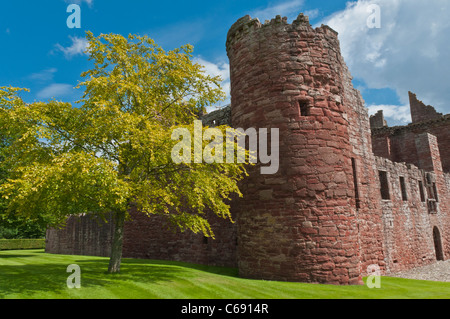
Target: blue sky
{"x": 409, "y": 52}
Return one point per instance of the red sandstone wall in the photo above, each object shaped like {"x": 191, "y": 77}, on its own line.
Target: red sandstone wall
{"x": 398, "y": 143}
{"x": 381, "y": 145}
{"x": 305, "y": 223}
{"x": 152, "y": 238}
{"x": 300, "y": 224}
{"x": 408, "y": 225}
{"x": 369, "y": 213}
{"x": 82, "y": 235}
{"x": 421, "y": 112}
{"x": 441, "y": 129}
{"x": 148, "y": 238}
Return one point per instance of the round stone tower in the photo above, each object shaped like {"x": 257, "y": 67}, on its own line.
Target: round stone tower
{"x": 299, "y": 224}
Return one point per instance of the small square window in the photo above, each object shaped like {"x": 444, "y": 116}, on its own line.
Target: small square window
{"x": 304, "y": 109}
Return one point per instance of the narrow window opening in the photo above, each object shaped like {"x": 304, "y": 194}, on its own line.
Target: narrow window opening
{"x": 435, "y": 192}
{"x": 422, "y": 194}
{"x": 304, "y": 109}
{"x": 432, "y": 206}
{"x": 384, "y": 186}
{"x": 438, "y": 244}
{"x": 355, "y": 182}
{"x": 403, "y": 188}
{"x": 205, "y": 240}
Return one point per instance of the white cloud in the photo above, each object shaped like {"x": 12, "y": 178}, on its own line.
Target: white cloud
{"x": 312, "y": 14}
{"x": 43, "y": 76}
{"x": 214, "y": 69}
{"x": 410, "y": 52}
{"x": 78, "y": 47}
{"x": 222, "y": 68}
{"x": 289, "y": 9}
{"x": 55, "y": 90}
{"x": 399, "y": 113}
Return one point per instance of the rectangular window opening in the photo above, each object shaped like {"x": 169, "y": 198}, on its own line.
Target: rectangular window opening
{"x": 435, "y": 192}
{"x": 384, "y": 185}
{"x": 355, "y": 182}
{"x": 304, "y": 109}
{"x": 403, "y": 188}
{"x": 422, "y": 193}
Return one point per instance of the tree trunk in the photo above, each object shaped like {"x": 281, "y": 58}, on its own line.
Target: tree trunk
{"x": 116, "y": 247}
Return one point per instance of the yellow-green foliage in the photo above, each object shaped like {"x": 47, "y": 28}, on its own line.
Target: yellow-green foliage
{"x": 113, "y": 149}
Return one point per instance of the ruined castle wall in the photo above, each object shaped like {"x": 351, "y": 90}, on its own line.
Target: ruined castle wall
{"x": 151, "y": 237}
{"x": 398, "y": 143}
{"x": 441, "y": 129}
{"x": 148, "y": 237}
{"x": 218, "y": 117}
{"x": 323, "y": 217}
{"x": 409, "y": 218}
{"x": 382, "y": 146}
{"x": 408, "y": 223}
{"x": 82, "y": 235}
{"x": 301, "y": 223}
{"x": 421, "y": 112}
{"x": 416, "y": 144}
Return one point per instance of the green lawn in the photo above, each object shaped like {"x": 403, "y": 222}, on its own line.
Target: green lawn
{"x": 33, "y": 274}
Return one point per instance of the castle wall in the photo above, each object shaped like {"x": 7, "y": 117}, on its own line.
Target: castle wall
{"x": 82, "y": 235}
{"x": 151, "y": 237}
{"x": 408, "y": 224}
{"x": 407, "y": 220}
{"x": 421, "y": 112}
{"x": 398, "y": 143}
{"x": 345, "y": 196}
{"x": 367, "y": 195}
{"x": 147, "y": 237}
{"x": 301, "y": 223}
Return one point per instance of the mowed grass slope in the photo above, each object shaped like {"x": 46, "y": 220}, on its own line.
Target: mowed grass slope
{"x": 33, "y": 274}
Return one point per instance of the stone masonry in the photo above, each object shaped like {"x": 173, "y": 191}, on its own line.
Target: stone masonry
{"x": 350, "y": 191}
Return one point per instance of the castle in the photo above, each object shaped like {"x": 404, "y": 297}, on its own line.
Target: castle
{"x": 350, "y": 191}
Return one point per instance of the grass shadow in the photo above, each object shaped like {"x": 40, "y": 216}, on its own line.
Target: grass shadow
{"x": 34, "y": 274}
{"x": 216, "y": 270}
{"x": 37, "y": 276}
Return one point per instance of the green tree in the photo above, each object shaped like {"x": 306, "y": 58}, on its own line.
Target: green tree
{"x": 11, "y": 225}
{"x": 113, "y": 150}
